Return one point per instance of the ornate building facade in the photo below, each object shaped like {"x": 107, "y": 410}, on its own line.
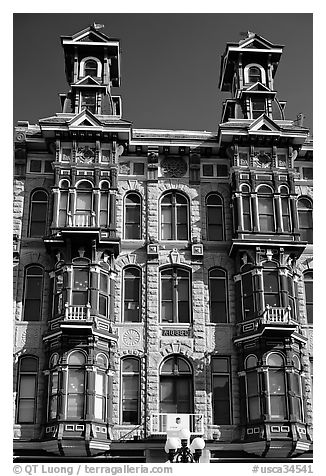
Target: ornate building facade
{"x": 163, "y": 274}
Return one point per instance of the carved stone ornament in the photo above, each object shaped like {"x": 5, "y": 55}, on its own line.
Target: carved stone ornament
{"x": 124, "y": 168}
{"x": 85, "y": 155}
{"x": 262, "y": 160}
{"x": 131, "y": 337}
{"x": 173, "y": 167}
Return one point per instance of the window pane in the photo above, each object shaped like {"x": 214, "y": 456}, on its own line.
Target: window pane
{"x": 32, "y": 309}
{"x": 221, "y": 402}
{"x": 80, "y": 279}
{"x": 103, "y": 305}
{"x": 99, "y": 407}
{"x": 76, "y": 381}
{"x": 77, "y": 358}
{"x": 84, "y": 202}
{"x": 28, "y": 364}
{"x": 254, "y": 408}
{"x": 75, "y": 406}
{"x": 26, "y": 411}
{"x": 27, "y": 386}
{"x": 278, "y": 406}
{"x": 130, "y": 365}
{"x": 35, "y": 166}
{"x": 220, "y": 365}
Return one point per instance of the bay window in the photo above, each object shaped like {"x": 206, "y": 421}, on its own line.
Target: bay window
{"x": 266, "y": 209}
{"x": 271, "y": 284}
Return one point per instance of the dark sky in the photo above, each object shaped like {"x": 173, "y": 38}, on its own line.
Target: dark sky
{"x": 170, "y": 63}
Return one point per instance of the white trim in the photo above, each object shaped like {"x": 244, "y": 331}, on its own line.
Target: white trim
{"x": 246, "y": 73}
{"x": 82, "y": 66}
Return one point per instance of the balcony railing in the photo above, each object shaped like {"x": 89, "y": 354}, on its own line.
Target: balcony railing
{"x": 276, "y": 315}
{"x": 161, "y": 423}
{"x": 81, "y": 220}
{"x": 77, "y": 313}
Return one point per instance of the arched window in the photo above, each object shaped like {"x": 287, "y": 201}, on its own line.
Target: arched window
{"x": 90, "y": 68}
{"x": 221, "y": 391}
{"x": 308, "y": 286}
{"x": 84, "y": 207}
{"x": 271, "y": 284}
{"x": 254, "y": 74}
{"x": 76, "y": 385}
{"x": 104, "y": 204}
{"x": 285, "y": 209}
{"x": 33, "y": 293}
{"x": 246, "y": 207}
{"x": 176, "y": 387}
{"x": 214, "y": 215}
{"x": 296, "y": 388}
{"x": 131, "y": 294}
{"x": 132, "y": 216}
{"x": 266, "y": 209}
{"x": 175, "y": 295}
{"x": 174, "y": 216}
{"x": 27, "y": 389}
{"x": 305, "y": 219}
{"x": 276, "y": 386}
{"x": 130, "y": 390}
{"x": 38, "y": 213}
{"x": 252, "y": 388}
{"x": 218, "y": 295}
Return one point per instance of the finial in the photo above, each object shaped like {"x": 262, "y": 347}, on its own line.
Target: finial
{"x": 97, "y": 26}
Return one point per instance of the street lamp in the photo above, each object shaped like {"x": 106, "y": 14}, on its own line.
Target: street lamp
{"x": 179, "y": 451}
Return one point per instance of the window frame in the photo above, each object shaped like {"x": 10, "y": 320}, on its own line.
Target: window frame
{"x": 308, "y": 303}
{"x": 275, "y": 270}
{"x": 271, "y": 213}
{"x": 174, "y": 207}
{"x": 132, "y": 300}
{"x": 219, "y": 207}
{"x": 210, "y": 283}
{"x": 133, "y": 206}
{"x": 256, "y": 65}
{"x": 124, "y": 374}
{"x": 31, "y": 219}
{"x": 282, "y": 394}
{"x": 82, "y": 369}
{"x": 252, "y": 370}
{"x": 83, "y": 63}
{"x": 174, "y": 377}
{"x": 306, "y": 232}
{"x": 22, "y": 373}
{"x": 174, "y": 279}
{"x": 40, "y": 299}
{"x": 222, "y": 374}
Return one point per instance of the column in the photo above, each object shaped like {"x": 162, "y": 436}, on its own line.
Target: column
{"x": 278, "y": 212}
{"x": 96, "y": 195}
{"x": 254, "y": 208}
{"x": 56, "y": 195}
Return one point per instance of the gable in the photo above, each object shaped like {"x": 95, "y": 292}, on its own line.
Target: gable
{"x": 91, "y": 37}
{"x": 263, "y": 124}
{"x": 258, "y": 87}
{"x": 84, "y": 119}
{"x": 88, "y": 80}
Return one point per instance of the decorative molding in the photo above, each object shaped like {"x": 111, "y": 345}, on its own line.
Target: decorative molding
{"x": 173, "y": 167}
